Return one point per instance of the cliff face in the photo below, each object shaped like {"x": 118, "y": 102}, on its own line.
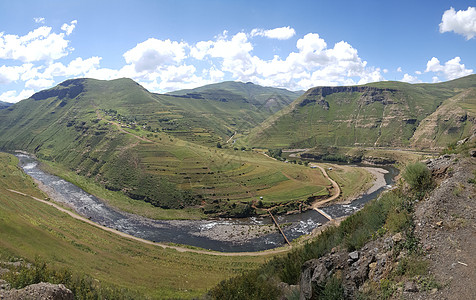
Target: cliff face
{"x": 69, "y": 88}
{"x": 387, "y": 114}
{"x": 329, "y": 90}
{"x": 345, "y": 116}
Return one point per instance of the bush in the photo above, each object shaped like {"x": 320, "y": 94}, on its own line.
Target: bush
{"x": 418, "y": 176}
{"x": 82, "y": 286}
{"x": 251, "y": 285}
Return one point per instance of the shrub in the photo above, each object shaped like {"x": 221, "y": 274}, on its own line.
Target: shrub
{"x": 418, "y": 176}
{"x": 82, "y": 286}
{"x": 333, "y": 290}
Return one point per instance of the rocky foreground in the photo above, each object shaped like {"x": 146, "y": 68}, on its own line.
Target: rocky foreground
{"x": 39, "y": 291}
{"x": 445, "y": 234}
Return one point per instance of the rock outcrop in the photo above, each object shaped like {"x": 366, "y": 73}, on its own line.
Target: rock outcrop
{"x": 39, "y": 291}
{"x": 372, "y": 262}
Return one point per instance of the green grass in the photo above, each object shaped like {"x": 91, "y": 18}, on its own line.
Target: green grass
{"x": 388, "y": 117}
{"x": 30, "y": 229}
{"x": 352, "y": 181}
{"x": 174, "y": 168}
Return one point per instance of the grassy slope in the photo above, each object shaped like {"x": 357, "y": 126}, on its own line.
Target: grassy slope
{"x": 353, "y": 120}
{"x": 266, "y": 98}
{"x": 79, "y": 133}
{"x": 29, "y": 229}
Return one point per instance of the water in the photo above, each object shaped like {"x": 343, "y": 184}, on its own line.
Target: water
{"x": 226, "y": 235}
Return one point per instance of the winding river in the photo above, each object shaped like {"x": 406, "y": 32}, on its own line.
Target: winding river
{"x": 225, "y": 235}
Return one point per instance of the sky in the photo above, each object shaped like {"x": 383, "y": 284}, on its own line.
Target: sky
{"x": 171, "y": 45}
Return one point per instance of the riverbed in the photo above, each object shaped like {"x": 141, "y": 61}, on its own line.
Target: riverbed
{"x": 223, "y": 234}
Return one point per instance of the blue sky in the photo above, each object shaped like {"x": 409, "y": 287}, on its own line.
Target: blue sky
{"x": 169, "y": 45}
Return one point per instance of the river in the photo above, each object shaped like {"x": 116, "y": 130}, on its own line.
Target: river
{"x": 225, "y": 235}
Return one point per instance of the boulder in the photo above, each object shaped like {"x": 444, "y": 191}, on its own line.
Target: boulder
{"x": 40, "y": 291}
{"x": 354, "y": 255}
{"x": 410, "y": 286}
{"x": 314, "y": 271}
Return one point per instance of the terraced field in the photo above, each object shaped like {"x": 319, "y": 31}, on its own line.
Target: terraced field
{"x": 30, "y": 229}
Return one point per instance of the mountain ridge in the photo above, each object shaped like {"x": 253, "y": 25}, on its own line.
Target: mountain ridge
{"x": 383, "y": 114}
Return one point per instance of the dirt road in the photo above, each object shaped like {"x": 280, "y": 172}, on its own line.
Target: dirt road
{"x": 335, "y": 188}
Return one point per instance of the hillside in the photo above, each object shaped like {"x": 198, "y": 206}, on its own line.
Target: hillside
{"x": 413, "y": 242}
{"x": 5, "y": 104}
{"x": 266, "y": 98}
{"x": 384, "y": 114}
{"x": 159, "y": 149}
{"x": 93, "y": 261}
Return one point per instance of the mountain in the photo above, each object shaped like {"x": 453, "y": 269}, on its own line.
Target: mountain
{"x": 162, "y": 149}
{"x": 267, "y": 98}
{"x": 5, "y": 104}
{"x": 383, "y": 114}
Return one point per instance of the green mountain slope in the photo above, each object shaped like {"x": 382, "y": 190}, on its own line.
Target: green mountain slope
{"x": 266, "y": 98}
{"x": 5, "y": 104}
{"x": 384, "y": 114}
{"x": 153, "y": 148}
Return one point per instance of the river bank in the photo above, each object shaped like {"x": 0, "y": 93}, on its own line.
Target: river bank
{"x": 228, "y": 235}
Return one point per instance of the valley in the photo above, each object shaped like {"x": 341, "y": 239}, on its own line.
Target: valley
{"x": 192, "y": 159}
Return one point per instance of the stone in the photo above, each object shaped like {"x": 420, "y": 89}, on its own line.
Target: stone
{"x": 354, "y": 255}
{"x": 472, "y": 153}
{"x": 397, "y": 237}
{"x": 41, "y": 291}
{"x": 439, "y": 223}
{"x": 411, "y": 287}
{"x": 313, "y": 271}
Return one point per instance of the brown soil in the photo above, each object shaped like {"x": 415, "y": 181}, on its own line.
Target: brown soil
{"x": 446, "y": 226}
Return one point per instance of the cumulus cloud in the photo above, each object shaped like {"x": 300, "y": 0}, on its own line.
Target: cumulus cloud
{"x": 13, "y": 96}
{"x": 452, "y": 69}
{"x": 39, "y": 44}
{"x": 165, "y": 65}
{"x": 39, "y": 84}
{"x": 39, "y": 20}
{"x": 461, "y": 22}
{"x": 410, "y": 79}
{"x": 9, "y": 74}
{"x": 154, "y": 54}
{"x": 281, "y": 33}
{"x": 75, "y": 68}
{"x": 68, "y": 28}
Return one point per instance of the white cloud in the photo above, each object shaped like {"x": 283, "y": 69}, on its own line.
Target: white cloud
{"x": 435, "y": 79}
{"x": 281, "y": 33}
{"x": 13, "y": 96}
{"x": 410, "y": 79}
{"x": 9, "y": 74}
{"x": 452, "y": 69}
{"x": 418, "y": 72}
{"x": 399, "y": 69}
{"x": 77, "y": 67}
{"x": 39, "y": 84}
{"x": 461, "y": 22}
{"x": 68, "y": 29}
{"x": 39, "y": 20}
{"x": 153, "y": 54}
{"x": 313, "y": 64}
{"x": 39, "y": 44}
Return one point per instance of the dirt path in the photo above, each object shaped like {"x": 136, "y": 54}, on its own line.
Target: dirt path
{"x": 445, "y": 223}
{"x": 165, "y": 246}
{"x": 335, "y": 187}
